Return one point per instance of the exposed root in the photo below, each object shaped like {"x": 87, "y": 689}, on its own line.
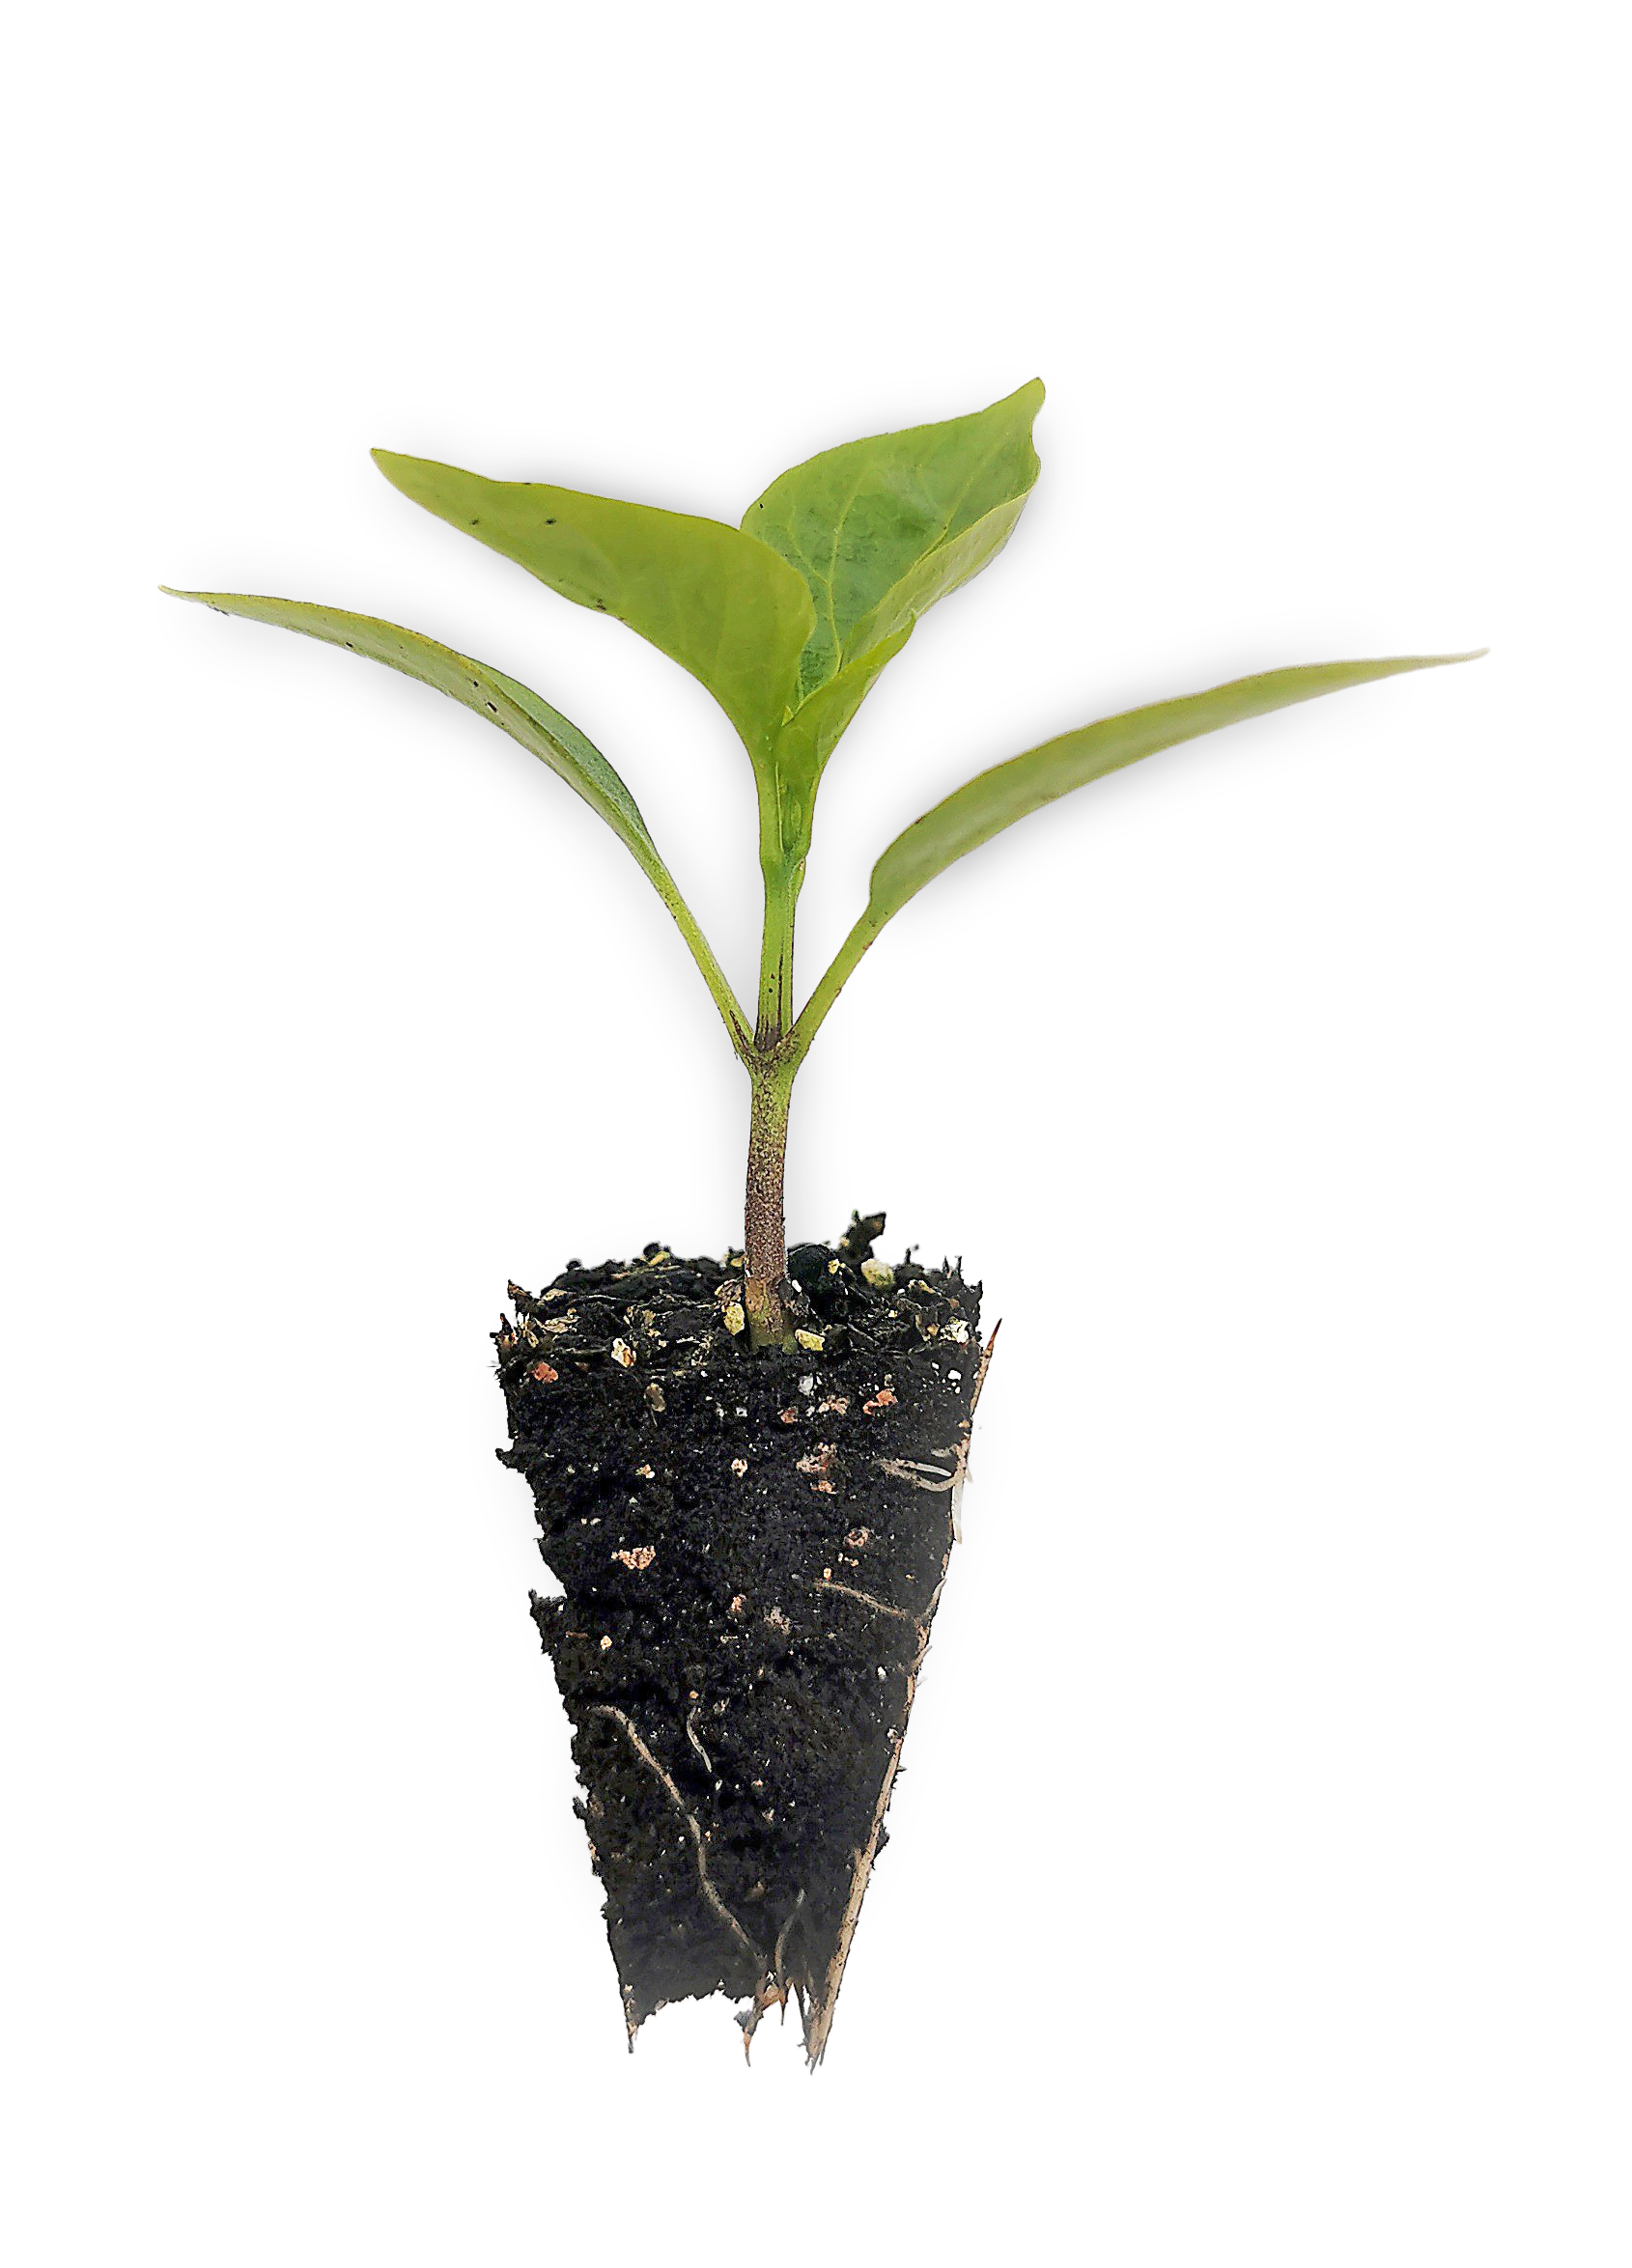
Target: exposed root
{"x": 819, "y": 2015}
{"x": 772, "y": 1989}
{"x": 768, "y": 1993}
{"x": 716, "y": 1903}
{"x": 776, "y": 1969}
{"x": 691, "y": 1736}
{"x": 845, "y": 1590}
{"x": 910, "y": 1471}
{"x": 986, "y": 1353}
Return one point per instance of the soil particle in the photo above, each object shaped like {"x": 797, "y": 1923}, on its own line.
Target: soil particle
{"x": 751, "y": 1548}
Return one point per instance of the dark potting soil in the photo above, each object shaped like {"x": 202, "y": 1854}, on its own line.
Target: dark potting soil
{"x": 751, "y": 1548}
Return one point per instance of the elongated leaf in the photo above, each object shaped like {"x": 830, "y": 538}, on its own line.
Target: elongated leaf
{"x": 983, "y": 806}
{"x": 880, "y": 529}
{"x": 543, "y": 730}
{"x": 723, "y": 606}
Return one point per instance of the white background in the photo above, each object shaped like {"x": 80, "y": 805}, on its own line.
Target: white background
{"x": 1260, "y": 1882}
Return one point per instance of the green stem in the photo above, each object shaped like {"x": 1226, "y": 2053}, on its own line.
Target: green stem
{"x": 840, "y": 969}
{"x": 713, "y": 976}
{"x": 776, "y": 953}
{"x": 702, "y": 953}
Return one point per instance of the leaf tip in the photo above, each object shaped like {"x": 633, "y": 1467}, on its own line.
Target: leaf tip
{"x": 396, "y": 469}
{"x": 1030, "y": 397}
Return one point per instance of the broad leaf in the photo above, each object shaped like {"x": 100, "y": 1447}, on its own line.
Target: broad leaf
{"x": 721, "y": 606}
{"x": 543, "y": 730}
{"x": 882, "y": 528}
{"x": 983, "y": 806}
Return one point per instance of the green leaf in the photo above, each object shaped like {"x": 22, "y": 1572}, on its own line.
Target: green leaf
{"x": 809, "y": 737}
{"x": 882, "y": 528}
{"x": 983, "y": 806}
{"x": 543, "y": 730}
{"x": 710, "y": 597}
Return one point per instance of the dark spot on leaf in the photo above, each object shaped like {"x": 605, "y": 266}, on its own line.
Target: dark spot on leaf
{"x": 493, "y": 705}
{"x": 475, "y": 523}
{"x": 549, "y": 524}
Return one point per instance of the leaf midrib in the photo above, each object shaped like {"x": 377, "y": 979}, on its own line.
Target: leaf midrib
{"x": 942, "y": 525}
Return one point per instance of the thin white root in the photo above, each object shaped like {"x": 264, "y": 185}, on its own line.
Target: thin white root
{"x": 986, "y": 1353}
{"x": 847, "y": 1591}
{"x": 771, "y": 1990}
{"x": 910, "y": 1469}
{"x": 819, "y": 2017}
{"x": 768, "y": 1993}
{"x": 773, "y": 1985}
{"x": 716, "y": 1904}
{"x": 691, "y": 1736}
{"x": 781, "y": 1947}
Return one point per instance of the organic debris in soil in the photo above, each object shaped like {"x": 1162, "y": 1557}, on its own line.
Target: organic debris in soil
{"x": 751, "y": 1548}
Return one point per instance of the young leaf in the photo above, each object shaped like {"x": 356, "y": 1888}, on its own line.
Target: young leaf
{"x": 710, "y": 597}
{"x": 983, "y": 806}
{"x": 809, "y": 737}
{"x": 543, "y": 730}
{"x": 882, "y": 528}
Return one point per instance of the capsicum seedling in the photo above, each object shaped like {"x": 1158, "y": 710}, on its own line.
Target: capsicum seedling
{"x": 788, "y": 620}
{"x": 747, "y": 1472}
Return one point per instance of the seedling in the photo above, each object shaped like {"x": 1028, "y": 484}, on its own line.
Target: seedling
{"x": 626, "y": 1373}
